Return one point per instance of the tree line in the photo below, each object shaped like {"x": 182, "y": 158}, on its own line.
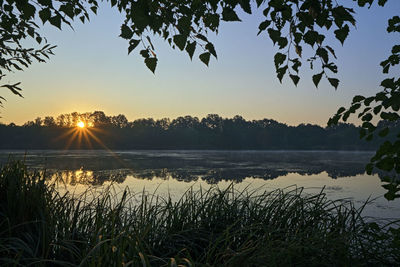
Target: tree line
{"x": 186, "y": 132}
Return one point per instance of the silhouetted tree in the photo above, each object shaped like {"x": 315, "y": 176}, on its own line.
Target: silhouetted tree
{"x": 49, "y": 121}
{"x": 100, "y": 119}
{"x": 119, "y": 121}
{"x": 38, "y": 121}
{"x": 211, "y": 132}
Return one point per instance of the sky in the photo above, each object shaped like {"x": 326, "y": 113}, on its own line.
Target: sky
{"x": 91, "y": 70}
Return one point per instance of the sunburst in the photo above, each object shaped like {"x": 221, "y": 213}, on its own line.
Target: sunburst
{"x": 81, "y": 124}
{"x": 86, "y": 132}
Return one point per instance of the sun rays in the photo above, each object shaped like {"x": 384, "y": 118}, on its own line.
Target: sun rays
{"x": 82, "y": 136}
{"x": 83, "y": 133}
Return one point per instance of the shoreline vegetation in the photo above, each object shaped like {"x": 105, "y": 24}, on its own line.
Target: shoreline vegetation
{"x": 207, "y": 228}
{"x": 96, "y": 130}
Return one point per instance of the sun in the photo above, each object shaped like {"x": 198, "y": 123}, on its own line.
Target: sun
{"x": 83, "y": 131}
{"x": 81, "y": 124}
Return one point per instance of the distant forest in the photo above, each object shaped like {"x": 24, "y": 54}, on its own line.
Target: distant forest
{"x": 211, "y": 132}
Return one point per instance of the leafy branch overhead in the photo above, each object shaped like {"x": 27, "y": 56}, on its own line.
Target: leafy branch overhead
{"x": 383, "y": 107}
{"x": 19, "y": 22}
{"x": 290, "y": 24}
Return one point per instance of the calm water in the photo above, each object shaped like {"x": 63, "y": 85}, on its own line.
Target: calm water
{"x": 173, "y": 172}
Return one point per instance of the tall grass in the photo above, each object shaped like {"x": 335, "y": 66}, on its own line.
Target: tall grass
{"x": 214, "y": 227}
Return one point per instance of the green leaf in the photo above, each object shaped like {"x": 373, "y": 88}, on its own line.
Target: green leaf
{"x": 317, "y": 78}
{"x": 151, "y": 63}
{"x": 346, "y": 115}
{"x": 45, "y": 2}
{"x": 228, "y": 14}
{"x": 334, "y": 82}
{"x": 282, "y": 42}
{"x": 377, "y": 109}
{"x": 358, "y": 98}
{"x": 342, "y": 33}
{"x": 184, "y": 24}
{"x": 295, "y": 79}
{"x": 205, "y": 58}
{"x": 385, "y": 164}
{"x": 56, "y": 21}
{"x": 211, "y": 21}
{"x": 382, "y": 2}
{"x": 331, "y": 66}
{"x": 94, "y": 9}
{"x": 28, "y": 11}
{"x": 126, "y": 32}
{"x": 45, "y": 14}
{"x": 144, "y": 53}
{"x": 245, "y": 4}
{"x": 259, "y": 2}
{"x": 190, "y": 48}
{"x": 390, "y": 196}
{"x": 390, "y": 116}
{"x": 274, "y": 35}
{"x": 331, "y": 50}
{"x": 388, "y": 83}
{"x": 296, "y": 65}
{"x": 369, "y": 100}
{"x": 340, "y": 110}
{"x": 281, "y": 72}
{"x": 180, "y": 41}
{"x": 279, "y": 59}
{"x": 323, "y": 53}
{"x": 263, "y": 26}
{"x": 211, "y": 49}
{"x": 396, "y": 49}
{"x": 334, "y": 120}
{"x": 367, "y": 117}
{"x": 68, "y": 9}
{"x": 202, "y": 37}
{"x": 310, "y": 37}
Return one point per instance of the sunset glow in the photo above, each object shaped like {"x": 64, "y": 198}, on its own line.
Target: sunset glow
{"x": 81, "y": 124}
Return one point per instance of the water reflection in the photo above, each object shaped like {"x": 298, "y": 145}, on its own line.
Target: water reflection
{"x": 86, "y": 177}
{"x": 97, "y": 167}
{"x": 171, "y": 173}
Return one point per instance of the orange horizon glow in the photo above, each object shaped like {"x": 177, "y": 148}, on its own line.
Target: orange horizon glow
{"x": 81, "y": 124}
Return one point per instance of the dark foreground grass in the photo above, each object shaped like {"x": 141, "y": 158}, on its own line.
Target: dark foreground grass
{"x": 204, "y": 228}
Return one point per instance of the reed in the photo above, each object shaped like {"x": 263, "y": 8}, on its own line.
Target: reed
{"x": 213, "y": 227}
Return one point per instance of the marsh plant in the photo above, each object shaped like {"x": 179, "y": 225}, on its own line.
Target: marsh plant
{"x": 213, "y": 227}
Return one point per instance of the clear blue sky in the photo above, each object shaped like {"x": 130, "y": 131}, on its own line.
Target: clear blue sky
{"x": 92, "y": 71}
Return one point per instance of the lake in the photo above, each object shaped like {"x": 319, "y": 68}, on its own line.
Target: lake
{"x": 173, "y": 172}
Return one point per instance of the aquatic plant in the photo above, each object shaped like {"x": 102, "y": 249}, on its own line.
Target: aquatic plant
{"x": 212, "y": 227}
